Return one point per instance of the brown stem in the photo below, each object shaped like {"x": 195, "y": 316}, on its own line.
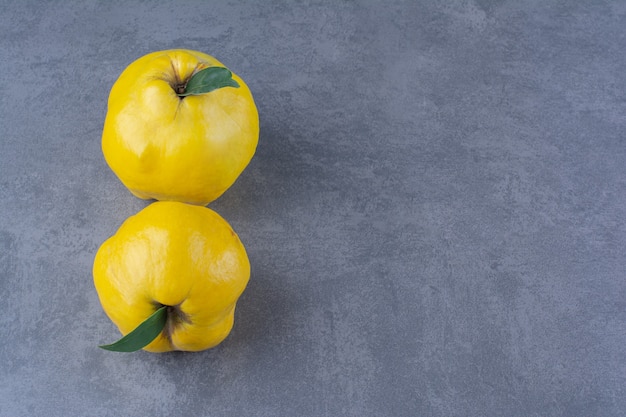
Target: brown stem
{"x": 175, "y": 316}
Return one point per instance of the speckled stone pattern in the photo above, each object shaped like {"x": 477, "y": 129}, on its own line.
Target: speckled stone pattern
{"x": 435, "y": 214}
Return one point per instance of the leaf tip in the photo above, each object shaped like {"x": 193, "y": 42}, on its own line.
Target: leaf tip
{"x": 142, "y": 335}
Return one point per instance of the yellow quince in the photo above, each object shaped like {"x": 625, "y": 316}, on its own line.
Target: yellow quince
{"x": 179, "y": 127}
{"x": 181, "y": 260}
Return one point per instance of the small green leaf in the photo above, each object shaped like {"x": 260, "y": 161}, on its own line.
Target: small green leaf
{"x": 143, "y": 334}
{"x": 209, "y": 79}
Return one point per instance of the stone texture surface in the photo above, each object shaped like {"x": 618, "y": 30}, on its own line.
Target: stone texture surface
{"x": 435, "y": 214}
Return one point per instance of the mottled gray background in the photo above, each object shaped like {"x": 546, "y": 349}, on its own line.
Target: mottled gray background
{"x": 435, "y": 215}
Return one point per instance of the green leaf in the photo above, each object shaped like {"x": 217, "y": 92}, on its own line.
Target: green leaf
{"x": 143, "y": 334}
{"x": 209, "y": 79}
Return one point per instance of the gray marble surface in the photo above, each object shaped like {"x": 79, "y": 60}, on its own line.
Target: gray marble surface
{"x": 435, "y": 214}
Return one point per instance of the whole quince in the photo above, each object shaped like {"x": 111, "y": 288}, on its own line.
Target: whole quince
{"x": 181, "y": 261}
{"x": 179, "y": 126}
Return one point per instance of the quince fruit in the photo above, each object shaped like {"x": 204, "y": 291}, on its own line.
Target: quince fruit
{"x": 170, "y": 278}
{"x": 179, "y": 127}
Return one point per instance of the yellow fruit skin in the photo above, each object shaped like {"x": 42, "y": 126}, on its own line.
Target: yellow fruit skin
{"x": 178, "y": 255}
{"x": 166, "y": 148}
